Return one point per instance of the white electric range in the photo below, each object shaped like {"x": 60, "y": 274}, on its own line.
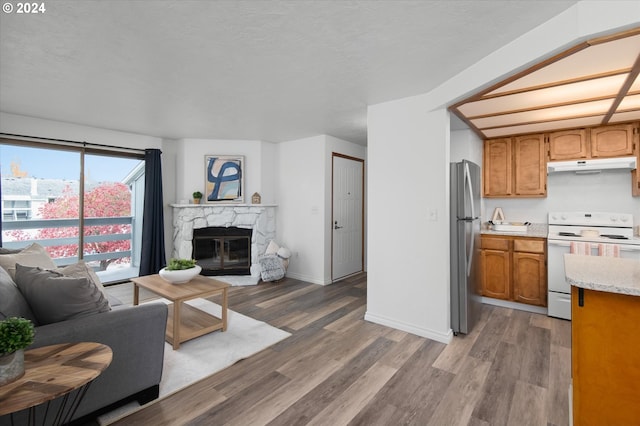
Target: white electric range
{"x": 602, "y": 231}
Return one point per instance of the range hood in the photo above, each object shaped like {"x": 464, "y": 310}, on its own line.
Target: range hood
{"x": 592, "y": 166}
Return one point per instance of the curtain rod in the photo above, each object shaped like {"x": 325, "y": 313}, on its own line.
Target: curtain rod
{"x": 84, "y": 143}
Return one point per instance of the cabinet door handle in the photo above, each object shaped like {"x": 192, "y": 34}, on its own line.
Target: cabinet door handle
{"x": 581, "y": 297}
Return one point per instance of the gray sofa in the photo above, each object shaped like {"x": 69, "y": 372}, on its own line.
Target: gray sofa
{"x": 135, "y": 334}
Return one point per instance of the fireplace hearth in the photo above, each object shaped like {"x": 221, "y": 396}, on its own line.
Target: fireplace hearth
{"x": 223, "y": 250}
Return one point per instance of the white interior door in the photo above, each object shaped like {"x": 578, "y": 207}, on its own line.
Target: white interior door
{"x": 347, "y": 220}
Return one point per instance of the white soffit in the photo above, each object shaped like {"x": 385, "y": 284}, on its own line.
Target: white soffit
{"x": 588, "y": 85}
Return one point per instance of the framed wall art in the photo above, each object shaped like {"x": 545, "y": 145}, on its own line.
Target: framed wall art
{"x": 224, "y": 178}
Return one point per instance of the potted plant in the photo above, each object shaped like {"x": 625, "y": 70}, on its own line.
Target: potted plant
{"x": 15, "y": 335}
{"x": 180, "y": 271}
{"x": 197, "y": 196}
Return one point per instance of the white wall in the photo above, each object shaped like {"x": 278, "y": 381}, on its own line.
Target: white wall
{"x": 37, "y": 127}
{"x": 466, "y": 145}
{"x": 303, "y": 187}
{"x": 408, "y": 252}
{"x": 408, "y": 138}
{"x": 300, "y": 185}
{"x": 609, "y": 191}
{"x": 190, "y": 166}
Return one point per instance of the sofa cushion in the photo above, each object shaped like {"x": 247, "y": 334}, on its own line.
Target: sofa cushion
{"x": 34, "y": 255}
{"x": 82, "y": 270}
{"x": 12, "y": 303}
{"x": 54, "y": 297}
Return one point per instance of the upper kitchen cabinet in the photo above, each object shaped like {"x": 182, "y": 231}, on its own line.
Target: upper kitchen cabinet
{"x": 612, "y": 141}
{"x": 530, "y": 167}
{"x": 568, "y": 145}
{"x": 597, "y": 142}
{"x": 497, "y": 168}
{"x": 515, "y": 167}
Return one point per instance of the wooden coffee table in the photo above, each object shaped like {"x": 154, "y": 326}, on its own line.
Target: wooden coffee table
{"x": 185, "y": 322}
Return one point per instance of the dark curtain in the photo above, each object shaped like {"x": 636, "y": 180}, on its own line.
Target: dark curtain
{"x": 152, "y": 251}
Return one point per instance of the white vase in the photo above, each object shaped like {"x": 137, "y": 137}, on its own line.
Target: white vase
{"x": 180, "y": 276}
{"x": 11, "y": 367}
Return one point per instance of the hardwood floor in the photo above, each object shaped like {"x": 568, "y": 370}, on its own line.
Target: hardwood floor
{"x": 337, "y": 369}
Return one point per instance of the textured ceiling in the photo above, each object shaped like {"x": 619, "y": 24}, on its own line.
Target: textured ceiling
{"x": 273, "y": 71}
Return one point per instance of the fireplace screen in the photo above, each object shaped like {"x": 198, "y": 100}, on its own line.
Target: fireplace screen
{"x": 221, "y": 250}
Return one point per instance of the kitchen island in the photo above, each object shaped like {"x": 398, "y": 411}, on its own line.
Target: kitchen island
{"x": 605, "y": 354}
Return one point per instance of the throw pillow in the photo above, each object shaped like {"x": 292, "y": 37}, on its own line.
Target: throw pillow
{"x": 9, "y": 251}
{"x": 271, "y": 267}
{"x": 34, "y": 255}
{"x": 12, "y": 303}
{"x": 272, "y": 248}
{"x": 54, "y": 297}
{"x": 82, "y": 270}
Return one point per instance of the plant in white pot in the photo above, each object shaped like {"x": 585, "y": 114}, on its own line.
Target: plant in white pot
{"x": 15, "y": 335}
{"x": 180, "y": 271}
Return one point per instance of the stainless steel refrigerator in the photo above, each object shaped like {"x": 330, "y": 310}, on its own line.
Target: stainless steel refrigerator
{"x": 465, "y": 246}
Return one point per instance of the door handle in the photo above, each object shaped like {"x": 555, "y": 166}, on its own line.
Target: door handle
{"x": 335, "y": 225}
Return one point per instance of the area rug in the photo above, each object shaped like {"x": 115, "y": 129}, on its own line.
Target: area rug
{"x": 238, "y": 280}
{"x": 208, "y": 354}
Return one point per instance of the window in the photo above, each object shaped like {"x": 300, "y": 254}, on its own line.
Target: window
{"x": 66, "y": 197}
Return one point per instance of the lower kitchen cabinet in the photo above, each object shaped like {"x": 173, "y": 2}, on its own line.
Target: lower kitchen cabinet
{"x": 514, "y": 268}
{"x": 496, "y": 274}
{"x": 605, "y": 360}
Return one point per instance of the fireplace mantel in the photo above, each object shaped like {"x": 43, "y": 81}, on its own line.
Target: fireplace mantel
{"x": 261, "y": 218}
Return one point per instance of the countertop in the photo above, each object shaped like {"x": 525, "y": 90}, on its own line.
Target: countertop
{"x": 609, "y": 274}
{"x": 537, "y": 230}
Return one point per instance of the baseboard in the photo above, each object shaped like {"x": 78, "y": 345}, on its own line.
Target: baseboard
{"x": 410, "y": 328}
{"x": 306, "y": 278}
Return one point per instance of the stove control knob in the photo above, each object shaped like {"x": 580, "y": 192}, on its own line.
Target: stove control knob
{"x": 563, "y": 217}
{"x": 624, "y": 218}
{"x": 554, "y": 217}
{"x": 614, "y": 219}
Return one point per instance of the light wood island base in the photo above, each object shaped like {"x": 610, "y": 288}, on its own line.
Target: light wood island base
{"x": 186, "y": 322}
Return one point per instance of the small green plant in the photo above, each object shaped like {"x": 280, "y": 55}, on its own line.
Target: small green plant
{"x": 197, "y": 194}
{"x": 15, "y": 334}
{"x": 179, "y": 264}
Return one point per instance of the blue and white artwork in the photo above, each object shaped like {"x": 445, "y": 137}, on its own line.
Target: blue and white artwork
{"x": 224, "y": 179}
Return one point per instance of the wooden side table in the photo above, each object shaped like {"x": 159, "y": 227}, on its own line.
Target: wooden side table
{"x": 186, "y": 322}
{"x": 51, "y": 372}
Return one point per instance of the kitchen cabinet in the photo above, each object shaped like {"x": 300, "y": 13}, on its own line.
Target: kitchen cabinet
{"x": 529, "y": 272}
{"x": 497, "y": 167}
{"x": 514, "y": 268}
{"x": 612, "y": 141}
{"x": 515, "y": 167}
{"x": 495, "y": 261}
{"x": 568, "y": 145}
{"x": 597, "y": 142}
{"x": 605, "y": 364}
{"x": 530, "y": 166}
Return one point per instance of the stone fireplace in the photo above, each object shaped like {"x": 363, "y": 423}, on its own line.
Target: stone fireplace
{"x": 259, "y": 219}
